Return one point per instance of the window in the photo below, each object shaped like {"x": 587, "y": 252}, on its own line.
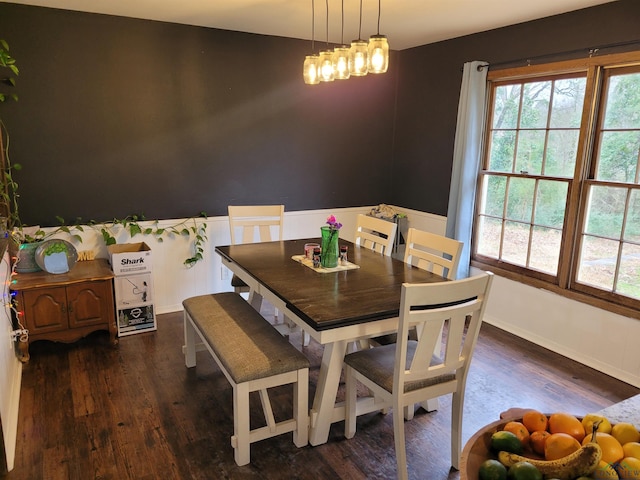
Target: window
{"x": 559, "y": 191}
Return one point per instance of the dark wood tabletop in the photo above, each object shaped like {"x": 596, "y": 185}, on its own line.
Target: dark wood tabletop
{"x": 328, "y": 300}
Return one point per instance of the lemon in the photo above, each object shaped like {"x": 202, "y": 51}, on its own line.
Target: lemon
{"x": 492, "y": 470}
{"x": 631, "y": 449}
{"x": 589, "y": 419}
{"x": 604, "y": 471}
{"x": 629, "y": 468}
{"x": 625, "y": 432}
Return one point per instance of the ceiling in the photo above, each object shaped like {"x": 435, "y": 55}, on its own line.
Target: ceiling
{"x": 406, "y": 23}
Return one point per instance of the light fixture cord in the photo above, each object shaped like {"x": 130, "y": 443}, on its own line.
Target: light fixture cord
{"x": 342, "y": 33}
{"x": 360, "y": 27}
{"x": 313, "y": 25}
{"x": 327, "y": 2}
{"x": 379, "y": 4}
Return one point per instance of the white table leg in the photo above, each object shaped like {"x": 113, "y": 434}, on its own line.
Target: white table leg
{"x": 326, "y": 392}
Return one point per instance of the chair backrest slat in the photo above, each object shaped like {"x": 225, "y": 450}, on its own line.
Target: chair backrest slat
{"x": 254, "y": 223}
{"x": 375, "y": 234}
{"x": 432, "y": 252}
{"x": 458, "y": 306}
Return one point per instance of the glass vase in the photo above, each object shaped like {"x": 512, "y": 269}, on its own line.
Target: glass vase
{"x": 329, "y": 245}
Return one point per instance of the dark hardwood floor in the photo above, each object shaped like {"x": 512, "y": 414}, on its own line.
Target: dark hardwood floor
{"x": 92, "y": 411}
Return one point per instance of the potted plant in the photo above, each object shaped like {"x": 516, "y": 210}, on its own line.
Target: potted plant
{"x": 8, "y": 187}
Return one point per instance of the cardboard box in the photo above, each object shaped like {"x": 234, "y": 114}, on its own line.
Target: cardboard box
{"x": 133, "y": 290}
{"x": 136, "y": 320}
{"x": 130, "y": 258}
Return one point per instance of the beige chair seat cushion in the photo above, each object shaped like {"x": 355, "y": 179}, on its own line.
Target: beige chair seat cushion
{"x": 377, "y": 364}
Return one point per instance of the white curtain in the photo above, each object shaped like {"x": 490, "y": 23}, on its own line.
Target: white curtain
{"x": 466, "y": 158}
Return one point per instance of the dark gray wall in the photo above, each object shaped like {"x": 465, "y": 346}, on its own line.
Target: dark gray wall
{"x": 120, "y": 116}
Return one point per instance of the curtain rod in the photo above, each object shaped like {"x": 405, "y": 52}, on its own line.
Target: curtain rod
{"x": 591, "y": 51}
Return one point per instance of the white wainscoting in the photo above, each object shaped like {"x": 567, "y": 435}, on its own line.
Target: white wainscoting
{"x": 10, "y": 373}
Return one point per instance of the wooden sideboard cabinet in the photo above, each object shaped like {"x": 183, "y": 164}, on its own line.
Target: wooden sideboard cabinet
{"x": 66, "y": 307}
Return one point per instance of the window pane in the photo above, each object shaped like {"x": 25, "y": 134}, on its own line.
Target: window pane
{"x": 629, "y": 274}
{"x": 502, "y": 150}
{"x": 568, "y": 99}
{"x": 632, "y": 226}
{"x": 618, "y": 156}
{"x": 598, "y": 259}
{"x": 492, "y": 202}
{"x": 516, "y": 243}
{"x": 530, "y": 152}
{"x": 550, "y": 203}
{"x": 545, "y": 249}
{"x": 605, "y": 211}
{"x": 506, "y": 104}
{"x": 488, "y": 236}
{"x": 535, "y": 105}
{"x": 623, "y": 102}
{"x": 520, "y": 199}
{"x": 562, "y": 148}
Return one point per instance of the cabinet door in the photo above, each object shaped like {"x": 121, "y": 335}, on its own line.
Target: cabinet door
{"x": 87, "y": 303}
{"x": 45, "y": 309}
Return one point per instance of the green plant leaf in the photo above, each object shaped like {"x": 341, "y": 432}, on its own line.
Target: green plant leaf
{"x": 134, "y": 229}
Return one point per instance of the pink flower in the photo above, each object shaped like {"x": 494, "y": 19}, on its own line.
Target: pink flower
{"x": 333, "y": 223}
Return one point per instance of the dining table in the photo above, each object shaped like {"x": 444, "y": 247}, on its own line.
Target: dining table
{"x": 354, "y": 301}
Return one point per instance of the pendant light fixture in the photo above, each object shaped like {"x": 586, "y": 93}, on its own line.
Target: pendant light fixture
{"x": 358, "y": 53}
{"x": 326, "y": 57}
{"x": 378, "y": 51}
{"x": 341, "y": 56}
{"x": 310, "y": 68}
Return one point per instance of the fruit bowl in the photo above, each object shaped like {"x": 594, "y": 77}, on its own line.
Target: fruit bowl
{"x": 478, "y": 448}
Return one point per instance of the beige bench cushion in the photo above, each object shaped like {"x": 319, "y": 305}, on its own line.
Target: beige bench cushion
{"x": 247, "y": 345}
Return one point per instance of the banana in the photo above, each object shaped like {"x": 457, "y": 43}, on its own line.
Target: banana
{"x": 581, "y": 462}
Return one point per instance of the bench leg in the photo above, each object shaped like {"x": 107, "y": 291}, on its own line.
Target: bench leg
{"x": 301, "y": 408}
{"x": 189, "y": 342}
{"x": 241, "y": 441}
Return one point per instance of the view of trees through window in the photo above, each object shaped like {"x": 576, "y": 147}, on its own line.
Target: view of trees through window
{"x": 535, "y": 156}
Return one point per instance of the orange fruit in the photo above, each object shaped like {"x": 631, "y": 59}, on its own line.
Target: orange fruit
{"x": 625, "y": 432}
{"x": 629, "y": 468}
{"x": 519, "y": 430}
{"x": 559, "y": 445}
{"x": 612, "y": 451}
{"x": 537, "y": 440}
{"x": 566, "y": 423}
{"x": 534, "y": 420}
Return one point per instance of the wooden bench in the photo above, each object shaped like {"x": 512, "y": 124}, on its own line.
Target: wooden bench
{"x": 254, "y": 357}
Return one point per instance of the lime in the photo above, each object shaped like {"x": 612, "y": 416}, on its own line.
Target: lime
{"x": 492, "y": 470}
{"x": 506, "y": 441}
{"x": 524, "y": 471}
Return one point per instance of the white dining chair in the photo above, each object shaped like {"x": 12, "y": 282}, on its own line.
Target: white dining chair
{"x": 408, "y": 372}
{"x": 254, "y": 224}
{"x": 434, "y": 253}
{"x": 375, "y": 234}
